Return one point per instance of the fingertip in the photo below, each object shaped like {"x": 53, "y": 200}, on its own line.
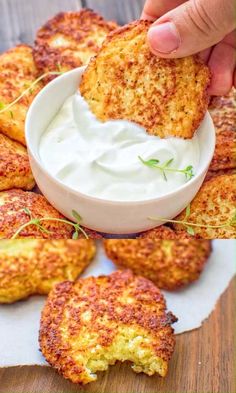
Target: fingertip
{"x": 145, "y": 16}
{"x": 221, "y": 84}
{"x": 222, "y": 65}
{"x": 163, "y": 39}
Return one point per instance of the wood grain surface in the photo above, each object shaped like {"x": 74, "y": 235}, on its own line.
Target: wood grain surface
{"x": 203, "y": 362}
{"x": 204, "y": 359}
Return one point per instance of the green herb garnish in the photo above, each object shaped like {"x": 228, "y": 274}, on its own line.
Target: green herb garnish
{"x": 6, "y": 107}
{"x": 165, "y": 167}
{"x": 190, "y": 225}
{"x": 38, "y": 223}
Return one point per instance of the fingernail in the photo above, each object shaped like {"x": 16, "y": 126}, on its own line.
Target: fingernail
{"x": 164, "y": 38}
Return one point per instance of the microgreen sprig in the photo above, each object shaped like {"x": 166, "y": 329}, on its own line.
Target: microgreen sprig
{"x": 191, "y": 225}
{"x": 38, "y": 223}
{"x": 165, "y": 167}
{"x": 29, "y": 89}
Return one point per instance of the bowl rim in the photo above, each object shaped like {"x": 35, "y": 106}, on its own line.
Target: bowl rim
{"x": 69, "y": 189}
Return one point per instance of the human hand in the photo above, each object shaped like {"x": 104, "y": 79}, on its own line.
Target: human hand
{"x": 182, "y": 28}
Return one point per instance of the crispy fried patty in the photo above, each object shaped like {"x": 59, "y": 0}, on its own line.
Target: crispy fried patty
{"x": 15, "y": 169}
{"x": 126, "y": 81}
{"x": 12, "y": 215}
{"x": 214, "y": 204}
{"x": 17, "y": 72}
{"x": 170, "y": 264}
{"x": 89, "y": 324}
{"x": 223, "y": 112}
{"x": 69, "y": 40}
{"x": 164, "y": 232}
{"x": 29, "y": 267}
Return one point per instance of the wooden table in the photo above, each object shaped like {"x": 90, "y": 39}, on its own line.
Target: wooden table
{"x": 204, "y": 359}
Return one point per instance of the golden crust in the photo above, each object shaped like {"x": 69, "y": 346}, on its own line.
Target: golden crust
{"x": 170, "y": 264}
{"x": 69, "y": 40}
{"x": 168, "y": 97}
{"x": 17, "y": 72}
{"x": 15, "y": 169}
{"x": 89, "y": 324}
{"x": 165, "y": 233}
{"x": 214, "y": 204}
{"x": 29, "y": 267}
{"x": 223, "y": 112}
{"x": 210, "y": 174}
{"x": 12, "y": 216}
{"x": 91, "y": 234}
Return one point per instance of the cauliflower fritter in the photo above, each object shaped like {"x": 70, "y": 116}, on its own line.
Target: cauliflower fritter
{"x": 165, "y": 233}
{"x": 223, "y": 112}
{"x": 17, "y": 72}
{"x": 214, "y": 204}
{"x": 211, "y": 174}
{"x": 170, "y": 264}
{"x": 69, "y": 40}
{"x": 30, "y": 267}
{"x": 94, "y": 322}
{"x": 12, "y": 215}
{"x": 15, "y": 169}
{"x": 168, "y": 97}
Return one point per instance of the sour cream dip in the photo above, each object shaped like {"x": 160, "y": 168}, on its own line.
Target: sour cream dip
{"x": 102, "y": 159}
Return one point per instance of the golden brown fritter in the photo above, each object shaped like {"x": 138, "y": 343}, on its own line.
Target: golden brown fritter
{"x": 15, "y": 169}
{"x": 96, "y": 321}
{"x": 17, "y": 72}
{"x": 69, "y": 40}
{"x": 165, "y": 233}
{"x": 30, "y": 267}
{"x": 214, "y": 205}
{"x": 223, "y": 112}
{"x": 12, "y": 215}
{"x": 210, "y": 174}
{"x": 91, "y": 234}
{"x": 168, "y": 97}
{"x": 170, "y": 264}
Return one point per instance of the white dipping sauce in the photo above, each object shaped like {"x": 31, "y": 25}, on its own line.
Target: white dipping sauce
{"x": 101, "y": 159}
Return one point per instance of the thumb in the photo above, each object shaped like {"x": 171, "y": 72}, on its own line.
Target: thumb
{"x": 192, "y": 27}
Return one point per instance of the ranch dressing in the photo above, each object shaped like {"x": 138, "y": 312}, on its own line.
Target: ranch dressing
{"x": 101, "y": 159}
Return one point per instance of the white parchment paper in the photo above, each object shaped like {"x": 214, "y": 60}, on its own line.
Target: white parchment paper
{"x": 19, "y": 322}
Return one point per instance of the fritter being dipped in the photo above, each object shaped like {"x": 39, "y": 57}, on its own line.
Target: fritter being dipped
{"x": 168, "y": 97}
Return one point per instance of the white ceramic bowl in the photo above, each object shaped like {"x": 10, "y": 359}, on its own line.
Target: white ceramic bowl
{"x": 98, "y": 214}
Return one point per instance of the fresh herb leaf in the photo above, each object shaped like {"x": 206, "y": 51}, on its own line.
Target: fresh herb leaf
{"x": 27, "y": 211}
{"x": 190, "y": 231}
{"x": 188, "y": 211}
{"x": 38, "y": 223}
{"x": 11, "y": 114}
{"x": 168, "y": 162}
{"x": 233, "y": 221}
{"x": 191, "y": 225}
{"x": 4, "y": 108}
{"x": 165, "y": 167}
{"x": 76, "y": 216}
{"x": 75, "y": 235}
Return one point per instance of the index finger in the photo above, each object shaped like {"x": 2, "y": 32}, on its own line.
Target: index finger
{"x": 153, "y": 9}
